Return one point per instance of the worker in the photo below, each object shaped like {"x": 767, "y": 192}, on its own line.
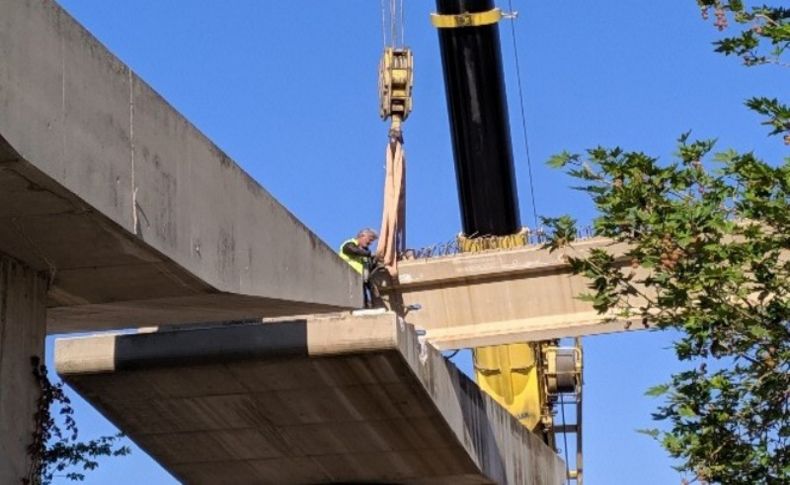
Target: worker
{"x": 356, "y": 252}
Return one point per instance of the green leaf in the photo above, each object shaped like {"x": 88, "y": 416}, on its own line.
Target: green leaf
{"x": 652, "y": 432}
{"x": 656, "y": 391}
{"x": 686, "y": 412}
{"x": 758, "y": 331}
{"x": 560, "y": 160}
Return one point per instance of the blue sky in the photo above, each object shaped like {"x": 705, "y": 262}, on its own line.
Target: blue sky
{"x": 288, "y": 90}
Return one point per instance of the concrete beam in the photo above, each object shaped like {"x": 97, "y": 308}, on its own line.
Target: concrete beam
{"x": 498, "y": 297}
{"x": 340, "y": 399}
{"x": 136, "y": 215}
{"x": 22, "y": 329}
{"x": 507, "y": 296}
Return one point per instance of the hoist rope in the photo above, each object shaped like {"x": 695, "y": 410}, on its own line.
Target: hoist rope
{"x": 402, "y": 26}
{"x": 383, "y": 24}
{"x": 393, "y": 31}
{"x": 523, "y": 116}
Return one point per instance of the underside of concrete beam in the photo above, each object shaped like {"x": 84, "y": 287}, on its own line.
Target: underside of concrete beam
{"x": 340, "y": 399}
{"x": 137, "y": 216}
{"x": 498, "y": 297}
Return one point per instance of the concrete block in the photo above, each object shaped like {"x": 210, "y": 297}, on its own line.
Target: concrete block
{"x": 139, "y": 217}
{"x": 22, "y": 330}
{"x": 498, "y": 297}
{"x": 319, "y": 399}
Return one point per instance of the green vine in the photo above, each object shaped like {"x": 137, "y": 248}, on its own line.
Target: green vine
{"x": 55, "y": 449}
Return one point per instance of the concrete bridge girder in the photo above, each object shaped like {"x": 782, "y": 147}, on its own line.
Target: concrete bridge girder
{"x": 498, "y": 297}
{"x": 136, "y": 215}
{"x": 316, "y": 399}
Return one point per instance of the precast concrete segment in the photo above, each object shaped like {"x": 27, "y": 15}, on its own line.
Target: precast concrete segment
{"x": 332, "y": 399}
{"x": 22, "y": 330}
{"x": 499, "y": 297}
{"x": 135, "y": 213}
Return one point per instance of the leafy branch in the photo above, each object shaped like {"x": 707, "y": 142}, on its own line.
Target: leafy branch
{"x": 778, "y": 115}
{"x": 55, "y": 449}
{"x": 765, "y": 38}
{"x": 707, "y": 255}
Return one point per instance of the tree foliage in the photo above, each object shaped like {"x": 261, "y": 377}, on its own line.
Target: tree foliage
{"x": 708, "y": 254}
{"x": 56, "y": 450}
{"x": 764, "y": 39}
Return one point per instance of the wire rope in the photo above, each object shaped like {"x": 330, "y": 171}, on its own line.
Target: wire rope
{"x": 402, "y": 26}
{"x": 393, "y": 23}
{"x": 523, "y": 116}
{"x": 383, "y": 23}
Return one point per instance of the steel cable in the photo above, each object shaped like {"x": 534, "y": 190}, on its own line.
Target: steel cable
{"x": 523, "y": 116}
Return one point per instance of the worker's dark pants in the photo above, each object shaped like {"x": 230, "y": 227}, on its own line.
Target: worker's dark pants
{"x": 367, "y": 295}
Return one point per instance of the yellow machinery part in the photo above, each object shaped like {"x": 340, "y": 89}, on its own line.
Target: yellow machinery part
{"x": 466, "y": 19}
{"x": 486, "y": 243}
{"x": 510, "y": 374}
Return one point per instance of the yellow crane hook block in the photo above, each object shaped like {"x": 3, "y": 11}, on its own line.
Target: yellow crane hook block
{"x": 396, "y": 79}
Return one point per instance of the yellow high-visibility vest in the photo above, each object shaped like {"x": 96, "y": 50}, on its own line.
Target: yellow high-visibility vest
{"x": 356, "y": 262}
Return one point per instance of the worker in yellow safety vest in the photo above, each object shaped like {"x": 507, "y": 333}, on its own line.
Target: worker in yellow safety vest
{"x": 356, "y": 252}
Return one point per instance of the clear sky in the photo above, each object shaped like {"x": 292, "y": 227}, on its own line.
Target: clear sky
{"x": 288, "y": 90}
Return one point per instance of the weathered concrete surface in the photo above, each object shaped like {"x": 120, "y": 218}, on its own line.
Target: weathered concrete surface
{"x": 22, "y": 328}
{"x": 313, "y": 400}
{"x": 135, "y": 213}
{"x": 498, "y": 297}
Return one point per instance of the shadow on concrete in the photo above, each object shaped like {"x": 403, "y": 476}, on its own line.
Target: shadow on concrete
{"x": 477, "y": 423}
{"x": 227, "y": 343}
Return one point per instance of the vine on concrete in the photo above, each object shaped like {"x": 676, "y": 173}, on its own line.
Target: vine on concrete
{"x": 55, "y": 450}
